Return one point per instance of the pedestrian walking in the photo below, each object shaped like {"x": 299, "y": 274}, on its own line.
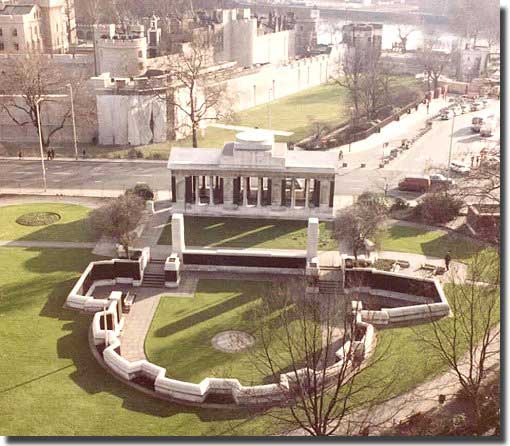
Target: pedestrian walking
{"x": 52, "y": 154}
{"x": 84, "y": 153}
{"x": 477, "y": 160}
{"x": 48, "y": 154}
{"x": 447, "y": 260}
{"x": 20, "y": 154}
{"x": 428, "y": 107}
{"x": 472, "y": 161}
{"x": 340, "y": 155}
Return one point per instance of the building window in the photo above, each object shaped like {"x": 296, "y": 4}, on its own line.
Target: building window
{"x": 16, "y": 47}
{"x": 15, "y": 32}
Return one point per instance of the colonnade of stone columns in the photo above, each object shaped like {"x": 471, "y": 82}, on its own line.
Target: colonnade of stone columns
{"x": 252, "y": 191}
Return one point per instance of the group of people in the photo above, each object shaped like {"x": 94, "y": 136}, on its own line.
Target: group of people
{"x": 50, "y": 154}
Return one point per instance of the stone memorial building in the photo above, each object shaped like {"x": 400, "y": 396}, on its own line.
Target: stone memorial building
{"x": 253, "y": 176}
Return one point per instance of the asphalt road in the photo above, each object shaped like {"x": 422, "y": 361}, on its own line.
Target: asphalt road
{"x": 431, "y": 151}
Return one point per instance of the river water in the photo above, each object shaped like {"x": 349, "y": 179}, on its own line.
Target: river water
{"x": 330, "y": 32}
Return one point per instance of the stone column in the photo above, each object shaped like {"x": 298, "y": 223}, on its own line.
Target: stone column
{"x": 307, "y": 192}
{"x": 211, "y": 190}
{"x": 292, "y": 193}
{"x": 312, "y": 241}
{"x": 178, "y": 243}
{"x": 180, "y": 192}
{"x": 244, "y": 181}
{"x": 197, "y": 190}
{"x": 228, "y": 192}
{"x": 260, "y": 188}
{"x": 276, "y": 193}
{"x": 324, "y": 198}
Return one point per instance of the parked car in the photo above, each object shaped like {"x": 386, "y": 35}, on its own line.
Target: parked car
{"x": 415, "y": 184}
{"x": 447, "y": 114}
{"x": 475, "y": 106}
{"x": 456, "y": 110}
{"x": 459, "y": 167}
{"x": 440, "y": 182}
{"x": 488, "y": 128}
{"x": 476, "y": 124}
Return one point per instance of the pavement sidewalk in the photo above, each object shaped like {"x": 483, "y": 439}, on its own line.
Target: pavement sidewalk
{"x": 86, "y": 160}
{"x": 408, "y": 126}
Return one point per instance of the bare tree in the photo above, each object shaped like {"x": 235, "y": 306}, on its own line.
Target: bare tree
{"x": 367, "y": 80}
{"x": 314, "y": 339}
{"x": 469, "y": 340}
{"x": 359, "y": 222}
{"x": 118, "y": 219}
{"x": 404, "y": 31}
{"x": 197, "y": 91}
{"x": 29, "y": 83}
{"x": 433, "y": 62}
{"x": 472, "y": 21}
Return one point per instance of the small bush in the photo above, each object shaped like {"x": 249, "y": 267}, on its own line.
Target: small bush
{"x": 439, "y": 207}
{"x": 399, "y": 205}
{"x": 134, "y": 153}
{"x": 157, "y": 156}
{"x": 142, "y": 190}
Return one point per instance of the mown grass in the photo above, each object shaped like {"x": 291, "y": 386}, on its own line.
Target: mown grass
{"x": 72, "y": 226}
{"x": 249, "y": 233}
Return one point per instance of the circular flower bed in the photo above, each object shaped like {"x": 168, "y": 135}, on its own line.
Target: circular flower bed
{"x": 38, "y": 218}
{"x": 232, "y": 341}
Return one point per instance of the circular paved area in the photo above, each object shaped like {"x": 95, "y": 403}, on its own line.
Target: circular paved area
{"x": 232, "y": 341}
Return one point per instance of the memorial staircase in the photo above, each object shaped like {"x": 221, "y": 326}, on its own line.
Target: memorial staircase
{"x": 154, "y": 276}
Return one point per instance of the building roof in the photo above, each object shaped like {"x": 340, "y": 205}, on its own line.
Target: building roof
{"x": 231, "y": 159}
{"x": 16, "y": 9}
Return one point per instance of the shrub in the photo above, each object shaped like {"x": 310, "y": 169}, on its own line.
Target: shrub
{"x": 134, "y": 153}
{"x": 439, "y": 207}
{"x": 157, "y": 156}
{"x": 399, "y": 205}
{"x": 142, "y": 190}
{"x": 38, "y": 219}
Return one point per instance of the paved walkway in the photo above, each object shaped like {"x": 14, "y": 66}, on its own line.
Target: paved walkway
{"x": 90, "y": 202}
{"x": 45, "y": 244}
{"x": 393, "y": 133}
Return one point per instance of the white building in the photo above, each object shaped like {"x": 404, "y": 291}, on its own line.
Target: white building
{"x": 253, "y": 176}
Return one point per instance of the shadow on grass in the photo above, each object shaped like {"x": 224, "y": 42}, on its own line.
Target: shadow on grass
{"x": 94, "y": 379}
{"x": 74, "y": 231}
{"x": 203, "y": 315}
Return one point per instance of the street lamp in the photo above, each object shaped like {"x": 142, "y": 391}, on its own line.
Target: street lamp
{"x": 451, "y": 145}
{"x": 39, "y": 129}
{"x": 74, "y": 121}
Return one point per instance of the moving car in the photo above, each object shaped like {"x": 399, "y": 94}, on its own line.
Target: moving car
{"x": 459, "y": 167}
{"x": 415, "y": 184}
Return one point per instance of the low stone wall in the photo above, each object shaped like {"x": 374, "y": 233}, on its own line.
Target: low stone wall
{"x": 243, "y": 261}
{"x": 427, "y": 294}
{"x": 104, "y": 273}
{"x": 108, "y": 322}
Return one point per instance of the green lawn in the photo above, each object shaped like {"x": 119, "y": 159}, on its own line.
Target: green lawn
{"x": 72, "y": 226}
{"x": 430, "y": 243}
{"x": 181, "y": 332}
{"x": 248, "y": 233}
{"x": 326, "y": 104}
{"x": 51, "y": 384}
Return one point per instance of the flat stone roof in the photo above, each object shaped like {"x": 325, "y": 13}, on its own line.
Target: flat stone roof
{"x": 228, "y": 159}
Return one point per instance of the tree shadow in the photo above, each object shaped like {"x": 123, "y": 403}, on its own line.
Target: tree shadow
{"x": 52, "y": 260}
{"x": 203, "y": 315}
